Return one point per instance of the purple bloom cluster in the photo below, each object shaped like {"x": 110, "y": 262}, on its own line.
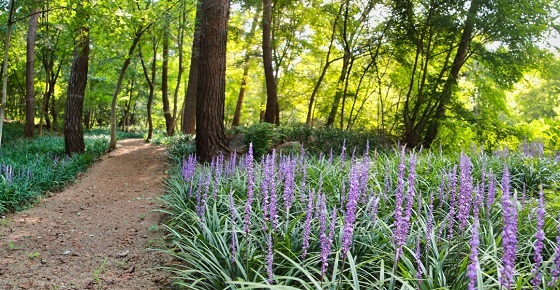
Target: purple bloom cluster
{"x": 539, "y": 236}
{"x": 351, "y": 207}
{"x": 326, "y": 241}
{"x": 307, "y": 222}
{"x": 509, "y": 237}
{"x": 288, "y": 167}
{"x": 472, "y": 267}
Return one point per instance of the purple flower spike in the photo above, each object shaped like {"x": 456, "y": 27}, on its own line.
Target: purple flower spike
{"x": 472, "y": 267}
{"x": 539, "y": 236}
{"x": 465, "y": 191}
{"x": 351, "y": 207}
{"x": 509, "y": 237}
{"x": 491, "y": 192}
{"x": 233, "y": 232}
{"x": 397, "y": 232}
{"x": 250, "y": 185}
{"x": 307, "y": 223}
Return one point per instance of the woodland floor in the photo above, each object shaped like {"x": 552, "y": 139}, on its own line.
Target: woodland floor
{"x": 96, "y": 233}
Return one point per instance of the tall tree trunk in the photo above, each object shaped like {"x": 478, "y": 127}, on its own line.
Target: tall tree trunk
{"x": 73, "y": 132}
{"x": 241, "y": 95}
{"x": 271, "y": 112}
{"x": 5, "y": 69}
{"x": 164, "y": 80}
{"x": 210, "y": 137}
{"x": 189, "y": 113}
{"x": 126, "y": 63}
{"x": 30, "y": 74}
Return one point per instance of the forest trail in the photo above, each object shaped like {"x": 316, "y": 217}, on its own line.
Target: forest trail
{"x": 96, "y": 233}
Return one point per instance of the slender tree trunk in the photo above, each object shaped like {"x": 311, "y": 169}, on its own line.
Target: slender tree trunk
{"x": 241, "y": 95}
{"x": 73, "y": 132}
{"x": 137, "y": 37}
{"x": 180, "y": 43}
{"x": 5, "y": 70}
{"x": 30, "y": 74}
{"x": 164, "y": 81}
{"x": 271, "y": 112}
{"x": 189, "y": 113}
{"x": 328, "y": 62}
{"x": 210, "y": 137}
{"x": 150, "y": 81}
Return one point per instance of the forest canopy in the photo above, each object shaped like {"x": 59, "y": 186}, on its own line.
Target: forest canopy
{"x": 423, "y": 72}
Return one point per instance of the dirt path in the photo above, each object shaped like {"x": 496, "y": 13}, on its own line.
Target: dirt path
{"x": 95, "y": 234}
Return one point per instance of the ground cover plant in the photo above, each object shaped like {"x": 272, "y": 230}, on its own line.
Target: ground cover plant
{"x": 366, "y": 220}
{"x": 29, "y": 168}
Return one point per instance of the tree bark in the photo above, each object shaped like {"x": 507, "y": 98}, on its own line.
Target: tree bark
{"x": 73, "y": 133}
{"x": 210, "y": 137}
{"x": 271, "y": 112}
{"x": 5, "y": 69}
{"x": 30, "y": 74}
{"x": 189, "y": 113}
{"x": 241, "y": 95}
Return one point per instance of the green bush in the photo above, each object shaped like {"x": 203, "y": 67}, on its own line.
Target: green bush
{"x": 263, "y": 136}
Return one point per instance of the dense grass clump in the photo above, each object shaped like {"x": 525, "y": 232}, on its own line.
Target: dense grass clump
{"x": 396, "y": 220}
{"x": 29, "y": 168}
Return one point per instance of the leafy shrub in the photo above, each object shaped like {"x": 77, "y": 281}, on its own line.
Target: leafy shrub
{"x": 180, "y": 147}
{"x": 323, "y": 140}
{"x": 263, "y": 136}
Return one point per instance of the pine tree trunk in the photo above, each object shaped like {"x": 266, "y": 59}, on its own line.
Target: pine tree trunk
{"x": 73, "y": 132}
{"x": 210, "y": 137}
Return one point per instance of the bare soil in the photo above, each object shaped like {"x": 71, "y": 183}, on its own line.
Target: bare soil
{"x": 97, "y": 233}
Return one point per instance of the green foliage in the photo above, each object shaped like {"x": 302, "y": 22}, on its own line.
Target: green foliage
{"x": 202, "y": 226}
{"x": 263, "y": 136}
{"x": 317, "y": 140}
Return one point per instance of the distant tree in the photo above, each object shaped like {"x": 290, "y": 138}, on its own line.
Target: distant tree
{"x": 30, "y": 72}
{"x": 210, "y": 137}
{"x": 5, "y": 69}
